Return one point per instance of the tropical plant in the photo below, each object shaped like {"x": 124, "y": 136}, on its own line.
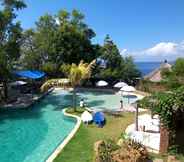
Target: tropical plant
{"x": 77, "y": 73}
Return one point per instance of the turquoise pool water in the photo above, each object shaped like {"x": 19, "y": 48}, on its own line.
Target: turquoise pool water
{"x": 103, "y": 100}
{"x": 31, "y": 135}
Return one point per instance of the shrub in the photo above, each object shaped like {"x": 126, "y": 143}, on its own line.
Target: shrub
{"x": 130, "y": 151}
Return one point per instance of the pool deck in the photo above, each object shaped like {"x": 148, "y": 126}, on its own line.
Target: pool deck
{"x": 150, "y": 137}
{"x": 24, "y": 101}
{"x": 67, "y": 139}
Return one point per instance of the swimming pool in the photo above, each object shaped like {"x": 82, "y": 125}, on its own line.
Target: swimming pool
{"x": 31, "y": 135}
{"x": 99, "y": 100}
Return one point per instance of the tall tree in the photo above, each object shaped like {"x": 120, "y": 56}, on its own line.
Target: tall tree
{"x": 117, "y": 67}
{"x": 57, "y": 40}
{"x": 10, "y": 39}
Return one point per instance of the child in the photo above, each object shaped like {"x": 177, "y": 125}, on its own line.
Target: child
{"x": 82, "y": 103}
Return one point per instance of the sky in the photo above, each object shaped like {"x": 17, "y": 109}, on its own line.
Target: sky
{"x": 149, "y": 30}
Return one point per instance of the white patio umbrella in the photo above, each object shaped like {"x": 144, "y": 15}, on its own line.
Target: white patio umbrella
{"x": 101, "y": 83}
{"x": 18, "y": 83}
{"x": 120, "y": 85}
{"x": 126, "y": 90}
{"x": 86, "y": 117}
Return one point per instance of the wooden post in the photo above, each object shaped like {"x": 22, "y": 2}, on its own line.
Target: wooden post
{"x": 136, "y": 116}
{"x": 164, "y": 139}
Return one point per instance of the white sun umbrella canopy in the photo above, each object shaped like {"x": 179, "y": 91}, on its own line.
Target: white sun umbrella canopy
{"x": 18, "y": 83}
{"x": 128, "y": 89}
{"x": 101, "y": 83}
{"x": 86, "y": 117}
{"x": 120, "y": 85}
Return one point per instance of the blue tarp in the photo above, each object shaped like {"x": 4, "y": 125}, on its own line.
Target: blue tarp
{"x": 30, "y": 74}
{"x": 99, "y": 118}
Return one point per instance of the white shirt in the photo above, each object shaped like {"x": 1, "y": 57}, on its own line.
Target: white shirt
{"x": 81, "y": 103}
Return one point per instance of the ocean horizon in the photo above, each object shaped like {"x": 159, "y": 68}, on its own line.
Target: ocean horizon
{"x": 146, "y": 67}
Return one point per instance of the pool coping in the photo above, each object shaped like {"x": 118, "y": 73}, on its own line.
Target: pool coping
{"x": 67, "y": 139}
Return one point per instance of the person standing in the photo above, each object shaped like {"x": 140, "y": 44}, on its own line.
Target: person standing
{"x": 121, "y": 104}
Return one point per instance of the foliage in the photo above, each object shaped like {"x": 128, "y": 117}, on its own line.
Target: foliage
{"x": 169, "y": 106}
{"x": 116, "y": 66}
{"x": 60, "y": 39}
{"x": 131, "y": 151}
{"x": 166, "y": 105}
{"x": 65, "y": 69}
{"x": 151, "y": 87}
{"x": 49, "y": 68}
{"x": 10, "y": 39}
{"x": 105, "y": 150}
{"x": 174, "y": 78}
{"x": 55, "y": 83}
{"x": 178, "y": 67}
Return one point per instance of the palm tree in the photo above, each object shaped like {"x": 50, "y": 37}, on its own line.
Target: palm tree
{"x": 76, "y": 74}
{"x": 79, "y": 73}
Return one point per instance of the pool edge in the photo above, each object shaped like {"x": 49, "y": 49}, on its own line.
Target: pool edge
{"x": 67, "y": 139}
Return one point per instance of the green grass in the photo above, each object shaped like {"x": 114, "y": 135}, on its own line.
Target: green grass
{"x": 80, "y": 148}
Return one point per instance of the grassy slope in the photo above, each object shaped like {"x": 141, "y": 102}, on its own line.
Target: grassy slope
{"x": 80, "y": 148}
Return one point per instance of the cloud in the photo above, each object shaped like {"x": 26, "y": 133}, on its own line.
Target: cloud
{"x": 123, "y": 51}
{"x": 159, "y": 52}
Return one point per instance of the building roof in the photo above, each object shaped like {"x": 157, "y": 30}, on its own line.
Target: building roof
{"x": 155, "y": 75}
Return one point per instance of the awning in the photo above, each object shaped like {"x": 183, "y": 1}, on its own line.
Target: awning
{"x": 30, "y": 74}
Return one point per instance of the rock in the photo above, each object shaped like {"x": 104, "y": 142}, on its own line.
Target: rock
{"x": 96, "y": 149}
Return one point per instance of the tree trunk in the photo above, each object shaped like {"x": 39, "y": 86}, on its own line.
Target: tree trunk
{"x": 74, "y": 99}
{"x": 164, "y": 139}
{"x": 5, "y": 90}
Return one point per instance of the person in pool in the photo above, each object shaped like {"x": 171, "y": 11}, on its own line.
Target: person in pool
{"x": 82, "y": 103}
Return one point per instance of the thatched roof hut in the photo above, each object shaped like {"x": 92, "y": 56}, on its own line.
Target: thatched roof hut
{"x": 155, "y": 75}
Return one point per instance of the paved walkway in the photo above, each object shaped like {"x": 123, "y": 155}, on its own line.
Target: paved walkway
{"x": 150, "y": 137}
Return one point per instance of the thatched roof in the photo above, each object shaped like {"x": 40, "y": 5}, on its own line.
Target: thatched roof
{"x": 155, "y": 75}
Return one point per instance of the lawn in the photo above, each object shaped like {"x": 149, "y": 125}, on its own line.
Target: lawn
{"x": 80, "y": 148}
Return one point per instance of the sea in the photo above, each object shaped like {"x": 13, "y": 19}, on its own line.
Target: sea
{"x": 147, "y": 67}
